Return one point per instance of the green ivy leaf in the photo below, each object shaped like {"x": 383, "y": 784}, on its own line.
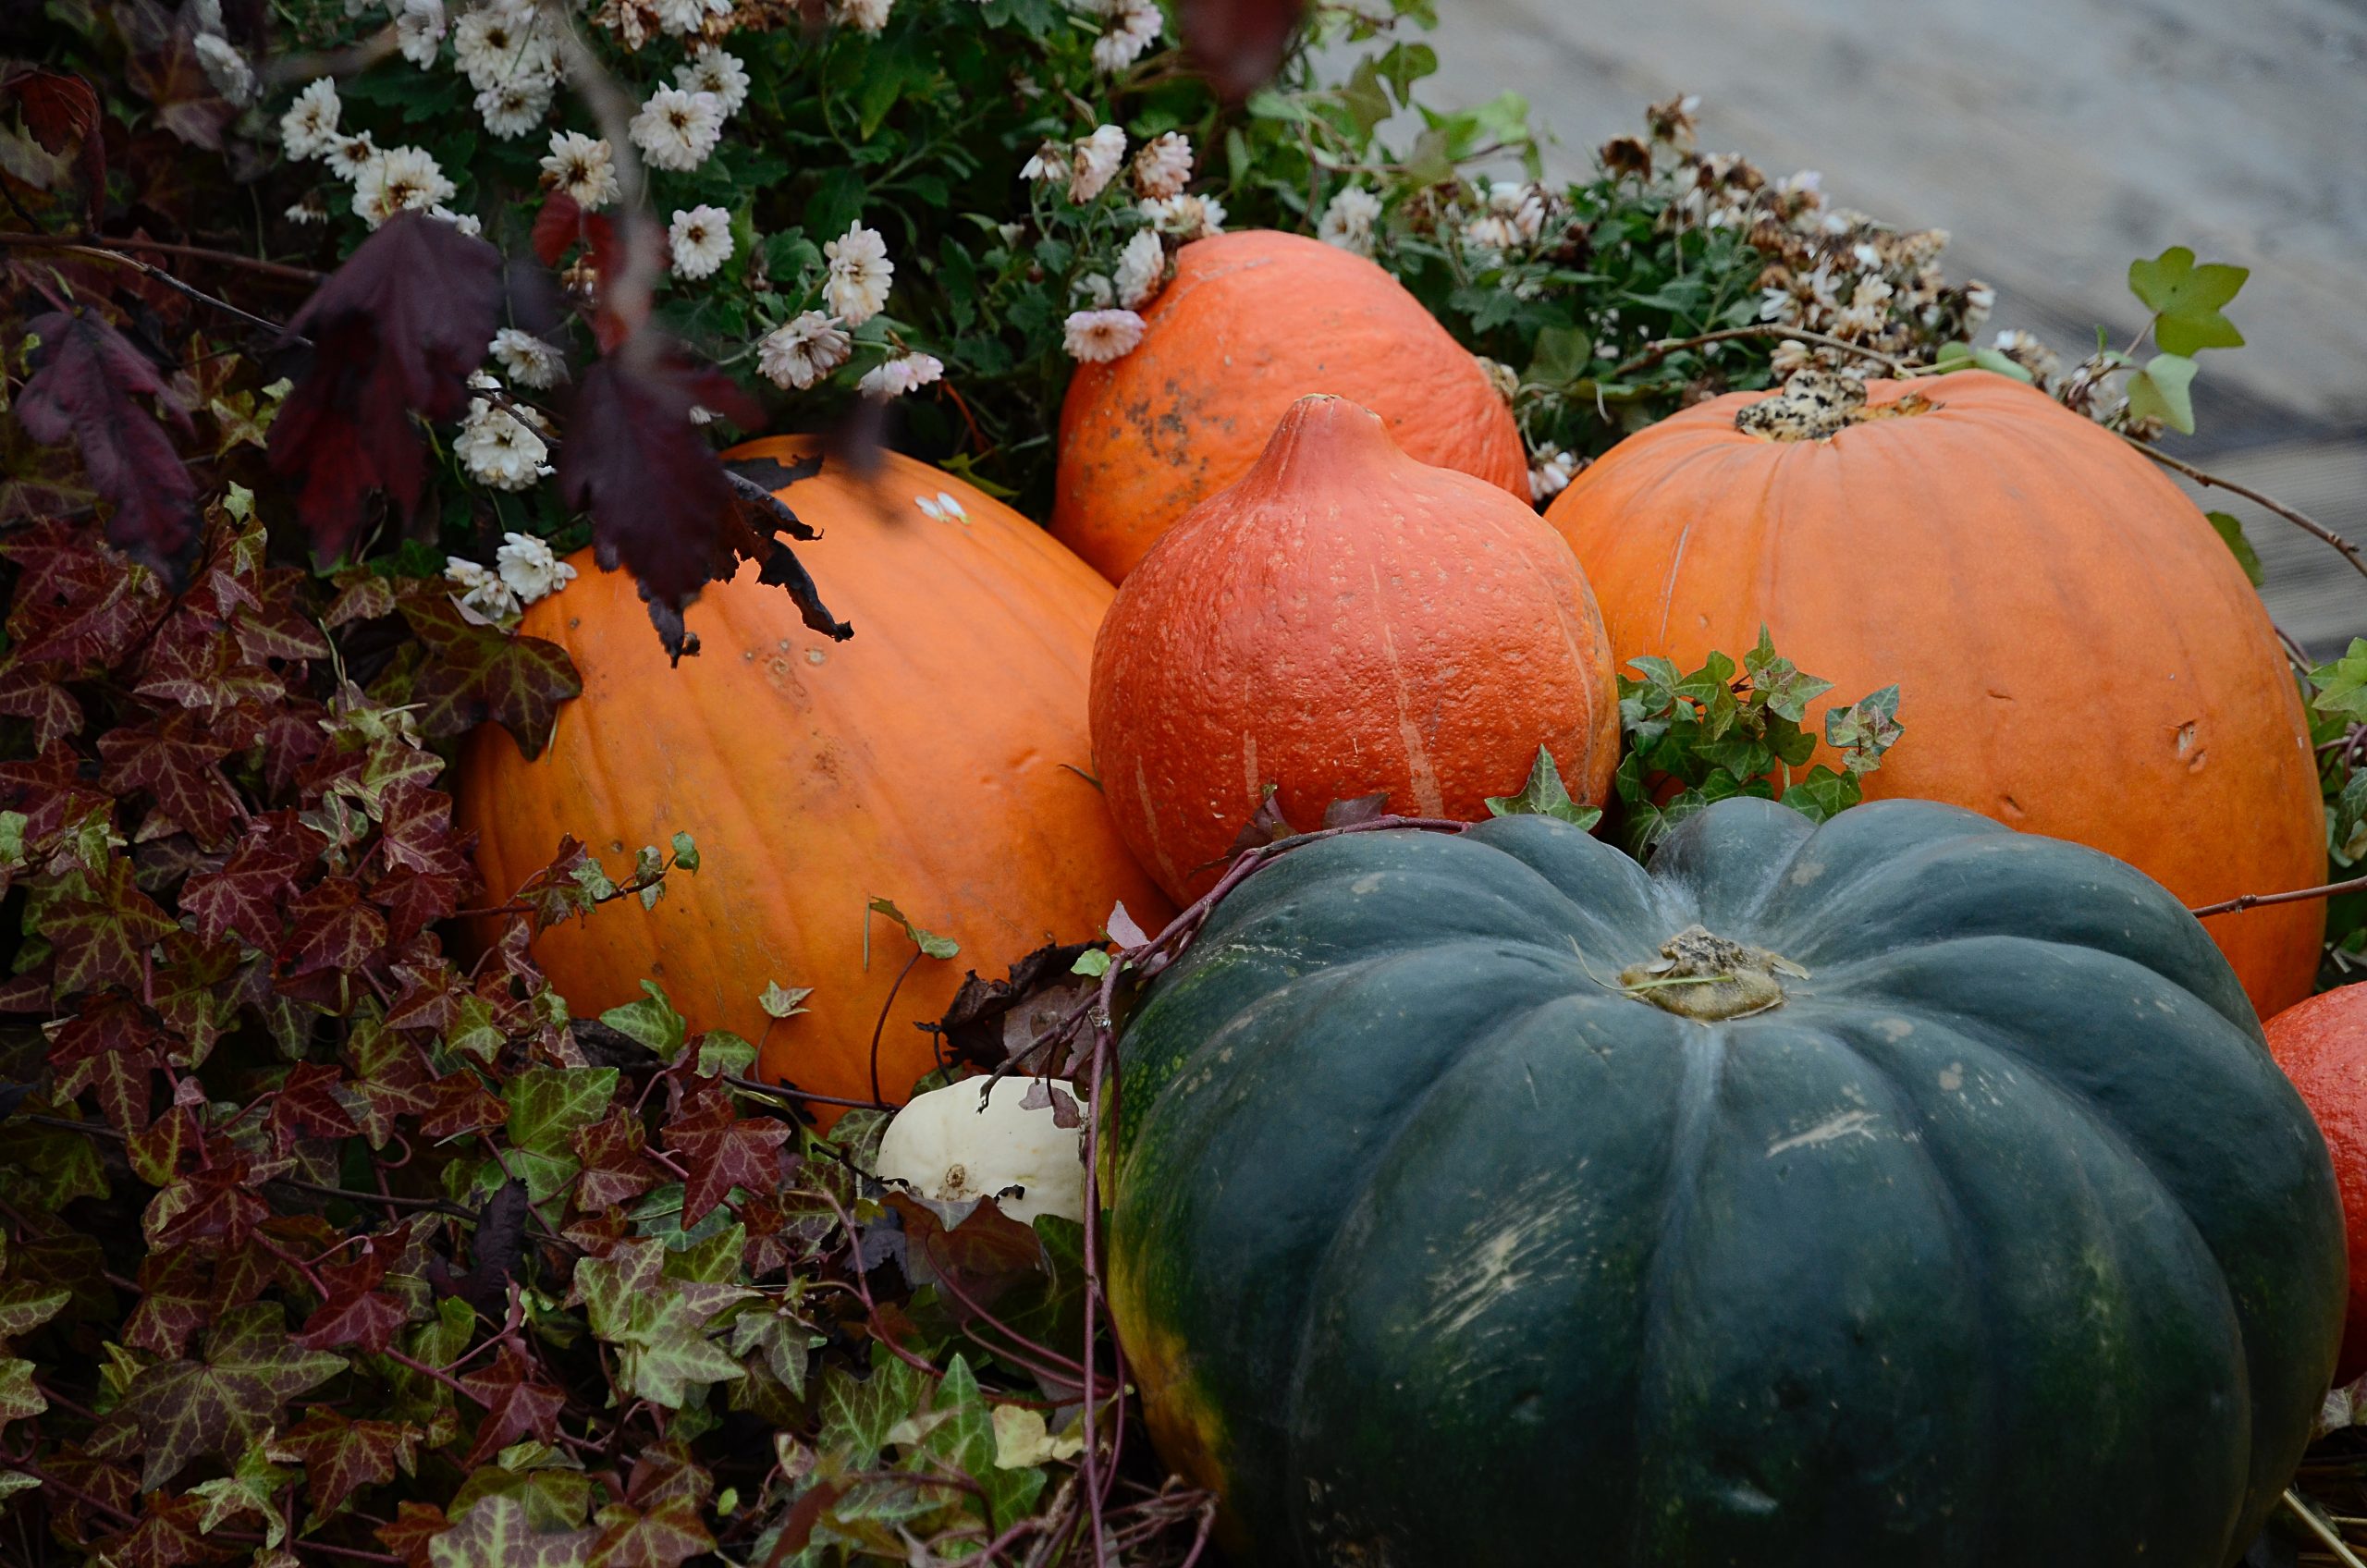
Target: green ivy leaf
{"x": 2162, "y": 390}
{"x": 2232, "y": 531}
{"x": 498, "y": 1533}
{"x": 857, "y": 1413}
{"x": 720, "y": 1051}
{"x": 783, "y": 1001}
{"x": 2342, "y": 683}
{"x": 686, "y": 853}
{"x": 928, "y": 942}
{"x": 1095, "y": 961}
{"x": 1865, "y": 729}
{"x": 548, "y": 1103}
{"x": 965, "y": 1440}
{"x": 1778, "y": 683}
{"x": 1543, "y": 795}
{"x": 1559, "y": 357}
{"x": 652, "y": 1022}
{"x": 2186, "y": 299}
{"x": 1824, "y": 794}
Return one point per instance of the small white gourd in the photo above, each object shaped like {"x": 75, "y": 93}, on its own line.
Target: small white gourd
{"x": 946, "y": 1145}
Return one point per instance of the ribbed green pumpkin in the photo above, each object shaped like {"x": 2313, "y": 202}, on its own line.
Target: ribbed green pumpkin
{"x": 1996, "y": 1238}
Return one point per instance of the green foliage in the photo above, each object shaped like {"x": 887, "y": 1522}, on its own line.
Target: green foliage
{"x": 1723, "y": 729}
{"x": 1544, "y": 795}
{"x": 2337, "y": 698}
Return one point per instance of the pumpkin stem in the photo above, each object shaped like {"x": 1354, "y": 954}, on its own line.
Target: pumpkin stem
{"x": 1815, "y": 405}
{"x": 1707, "y": 977}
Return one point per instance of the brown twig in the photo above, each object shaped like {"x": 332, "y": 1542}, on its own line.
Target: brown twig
{"x": 1668, "y": 345}
{"x": 2293, "y": 515}
{"x": 162, "y": 247}
{"x": 878, "y": 1101}
{"x": 2299, "y": 895}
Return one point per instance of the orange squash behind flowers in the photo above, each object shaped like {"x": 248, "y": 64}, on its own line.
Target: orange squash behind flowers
{"x": 1251, "y": 322}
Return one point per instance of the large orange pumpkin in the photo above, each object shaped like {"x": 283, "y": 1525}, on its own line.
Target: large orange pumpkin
{"x": 937, "y": 759}
{"x": 1251, "y": 322}
{"x": 2078, "y": 653}
{"x": 1343, "y": 621}
{"x": 2322, "y": 1045}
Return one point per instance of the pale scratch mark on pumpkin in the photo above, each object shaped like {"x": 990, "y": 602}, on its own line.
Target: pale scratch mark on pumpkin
{"x": 1425, "y": 775}
{"x": 1150, "y": 815}
{"x": 1849, "y": 1123}
{"x": 1524, "y": 1241}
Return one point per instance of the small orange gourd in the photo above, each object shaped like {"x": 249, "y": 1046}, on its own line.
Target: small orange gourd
{"x": 1251, "y": 322}
{"x": 1344, "y": 621}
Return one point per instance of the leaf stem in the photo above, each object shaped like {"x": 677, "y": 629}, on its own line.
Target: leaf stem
{"x": 2299, "y": 895}
{"x": 1667, "y": 346}
{"x": 2293, "y": 515}
{"x": 162, "y": 248}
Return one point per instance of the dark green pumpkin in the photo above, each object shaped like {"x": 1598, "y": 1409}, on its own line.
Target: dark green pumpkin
{"x": 1996, "y": 1240}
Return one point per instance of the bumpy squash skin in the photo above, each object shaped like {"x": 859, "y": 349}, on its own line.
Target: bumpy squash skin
{"x": 2322, "y": 1045}
{"x": 1345, "y": 621}
{"x": 2002, "y": 1241}
{"x": 932, "y": 759}
{"x": 1252, "y": 322}
{"x": 2078, "y": 653}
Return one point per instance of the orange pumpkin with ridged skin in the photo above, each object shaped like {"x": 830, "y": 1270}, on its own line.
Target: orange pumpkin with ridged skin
{"x": 1342, "y": 622}
{"x": 2078, "y": 653}
{"x": 931, "y": 759}
{"x": 1250, "y": 323}
{"x": 2322, "y": 1045}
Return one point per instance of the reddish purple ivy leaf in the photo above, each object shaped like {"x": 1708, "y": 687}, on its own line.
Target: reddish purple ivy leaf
{"x": 86, "y": 387}
{"x": 395, "y": 333}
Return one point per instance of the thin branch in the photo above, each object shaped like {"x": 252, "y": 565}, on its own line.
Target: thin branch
{"x": 2293, "y": 515}
{"x": 2299, "y": 895}
{"x": 186, "y": 290}
{"x": 1668, "y": 345}
{"x": 162, "y": 248}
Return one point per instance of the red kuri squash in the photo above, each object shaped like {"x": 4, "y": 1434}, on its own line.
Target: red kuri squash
{"x": 2322, "y": 1045}
{"x": 2078, "y": 653}
{"x": 1251, "y": 322}
{"x": 934, "y": 759}
{"x": 1343, "y": 621}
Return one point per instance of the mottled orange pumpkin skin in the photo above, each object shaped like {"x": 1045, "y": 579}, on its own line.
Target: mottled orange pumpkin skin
{"x": 1251, "y": 322}
{"x": 2078, "y": 653}
{"x": 2322, "y": 1045}
{"x": 937, "y": 758}
{"x": 1343, "y": 623}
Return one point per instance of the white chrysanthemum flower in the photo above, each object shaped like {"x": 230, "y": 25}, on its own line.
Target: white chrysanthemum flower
{"x": 1048, "y": 166}
{"x": 860, "y": 276}
{"x": 1142, "y": 267}
{"x": 467, "y": 223}
{"x": 398, "y": 179}
{"x": 700, "y": 239}
{"x": 1134, "y": 26}
{"x": 1979, "y": 301}
{"x": 419, "y": 27}
{"x": 675, "y": 129}
{"x": 689, "y": 16}
{"x": 718, "y": 71}
{"x": 1551, "y": 475}
{"x": 527, "y": 360}
{"x": 1491, "y": 233}
{"x": 865, "y": 16}
{"x": 1095, "y": 161}
{"x": 583, "y": 167}
{"x": 515, "y": 106}
{"x": 310, "y": 124}
{"x": 1186, "y": 217}
{"x": 309, "y": 210}
{"x": 204, "y": 16}
{"x": 529, "y": 568}
{"x": 1348, "y": 220}
{"x": 894, "y": 377}
{"x": 226, "y": 68}
{"x": 1163, "y": 165}
{"x": 1095, "y": 289}
{"x": 803, "y": 352}
{"x": 496, "y": 46}
{"x": 497, "y": 447}
{"x": 481, "y": 592}
{"x": 1094, "y": 336}
{"x": 348, "y": 155}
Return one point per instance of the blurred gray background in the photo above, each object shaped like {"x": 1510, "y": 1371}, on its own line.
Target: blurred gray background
{"x": 2054, "y": 139}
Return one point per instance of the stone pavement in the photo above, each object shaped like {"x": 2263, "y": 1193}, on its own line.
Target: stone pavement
{"x": 2056, "y": 139}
